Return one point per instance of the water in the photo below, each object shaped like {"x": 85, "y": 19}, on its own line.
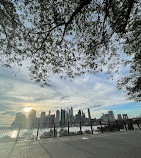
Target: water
{"x": 32, "y": 133}
{"x": 26, "y": 133}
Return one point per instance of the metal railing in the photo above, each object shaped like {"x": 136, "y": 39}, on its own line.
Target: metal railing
{"x": 44, "y": 130}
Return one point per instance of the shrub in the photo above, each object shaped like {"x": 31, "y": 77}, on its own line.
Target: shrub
{"x": 63, "y": 132}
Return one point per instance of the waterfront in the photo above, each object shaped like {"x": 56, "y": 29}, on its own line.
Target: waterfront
{"x": 29, "y": 133}
{"x": 10, "y": 134}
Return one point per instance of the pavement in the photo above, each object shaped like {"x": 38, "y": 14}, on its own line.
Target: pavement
{"x": 108, "y": 145}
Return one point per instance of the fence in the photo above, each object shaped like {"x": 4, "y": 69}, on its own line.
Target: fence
{"x": 40, "y": 130}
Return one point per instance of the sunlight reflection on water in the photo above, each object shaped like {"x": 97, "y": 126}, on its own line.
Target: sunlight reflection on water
{"x": 13, "y": 134}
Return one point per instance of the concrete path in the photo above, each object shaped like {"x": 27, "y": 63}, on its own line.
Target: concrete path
{"x": 108, "y": 145}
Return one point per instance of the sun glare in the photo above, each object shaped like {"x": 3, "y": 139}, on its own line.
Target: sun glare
{"x": 27, "y": 109}
{"x": 13, "y": 134}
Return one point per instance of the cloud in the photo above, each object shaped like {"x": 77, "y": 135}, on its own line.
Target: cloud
{"x": 98, "y": 113}
{"x": 4, "y": 107}
{"x": 95, "y": 106}
{"x": 4, "y": 87}
{"x": 87, "y": 91}
{"x": 8, "y": 113}
{"x": 64, "y": 97}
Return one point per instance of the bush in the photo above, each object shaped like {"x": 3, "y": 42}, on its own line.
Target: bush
{"x": 87, "y": 132}
{"x": 49, "y": 134}
{"x": 79, "y": 133}
{"x": 63, "y": 132}
{"x": 72, "y": 133}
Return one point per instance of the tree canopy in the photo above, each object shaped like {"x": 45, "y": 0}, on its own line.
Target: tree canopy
{"x": 72, "y": 37}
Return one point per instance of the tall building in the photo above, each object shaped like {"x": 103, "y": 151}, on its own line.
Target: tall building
{"x": 49, "y": 113}
{"x": 71, "y": 119}
{"x": 119, "y": 117}
{"x": 78, "y": 117}
{"x": 19, "y": 120}
{"x": 66, "y": 116}
{"x": 72, "y": 111}
{"x": 32, "y": 114}
{"x": 62, "y": 117}
{"x": 43, "y": 114}
{"x": 105, "y": 117}
{"x": 42, "y": 120}
{"x": 125, "y": 116}
{"x": 79, "y": 112}
{"x": 89, "y": 115}
{"x": 47, "y": 121}
{"x": 32, "y": 119}
{"x": 83, "y": 115}
{"x": 57, "y": 119}
{"x": 111, "y": 115}
{"x": 69, "y": 112}
{"x": 51, "y": 120}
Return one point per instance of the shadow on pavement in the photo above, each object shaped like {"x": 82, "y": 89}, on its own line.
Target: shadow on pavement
{"x": 42, "y": 146}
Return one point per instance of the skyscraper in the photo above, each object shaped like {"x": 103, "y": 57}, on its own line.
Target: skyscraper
{"x": 111, "y": 115}
{"x": 83, "y": 115}
{"x": 42, "y": 119}
{"x": 69, "y": 112}
{"x": 19, "y": 120}
{"x": 43, "y": 114}
{"x": 32, "y": 120}
{"x": 72, "y": 111}
{"x": 32, "y": 114}
{"x": 79, "y": 112}
{"x": 71, "y": 115}
{"x": 51, "y": 120}
{"x": 89, "y": 115}
{"x": 119, "y": 117}
{"x": 125, "y": 116}
{"x": 62, "y": 117}
{"x": 57, "y": 119}
{"x": 105, "y": 117}
{"x": 66, "y": 116}
{"x": 49, "y": 113}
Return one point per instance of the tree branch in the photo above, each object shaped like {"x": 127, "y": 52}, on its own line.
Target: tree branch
{"x": 78, "y": 9}
{"x": 108, "y": 5}
{"x": 131, "y": 3}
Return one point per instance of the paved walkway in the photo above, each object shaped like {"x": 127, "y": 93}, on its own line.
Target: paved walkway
{"x": 108, "y": 145}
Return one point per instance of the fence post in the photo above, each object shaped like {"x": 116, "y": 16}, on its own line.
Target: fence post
{"x": 80, "y": 129}
{"x": 125, "y": 125}
{"x": 131, "y": 125}
{"x": 54, "y": 130}
{"x": 68, "y": 129}
{"x": 110, "y": 125}
{"x": 91, "y": 127}
{"x": 117, "y": 125}
{"x": 138, "y": 124}
{"x": 105, "y": 128}
{"x": 38, "y": 130}
{"x": 101, "y": 127}
{"x": 18, "y": 132}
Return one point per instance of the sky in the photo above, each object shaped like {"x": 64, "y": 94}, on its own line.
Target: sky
{"x": 96, "y": 92}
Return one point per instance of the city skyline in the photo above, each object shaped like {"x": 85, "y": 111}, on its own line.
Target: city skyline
{"x": 63, "y": 116}
{"x": 60, "y": 119}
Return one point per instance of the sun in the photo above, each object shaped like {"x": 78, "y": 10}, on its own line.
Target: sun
{"x": 27, "y": 109}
